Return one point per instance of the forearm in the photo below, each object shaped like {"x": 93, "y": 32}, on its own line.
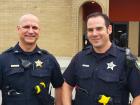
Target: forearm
{"x": 58, "y": 96}
{"x": 67, "y": 98}
{"x": 136, "y": 100}
{"x": 67, "y": 94}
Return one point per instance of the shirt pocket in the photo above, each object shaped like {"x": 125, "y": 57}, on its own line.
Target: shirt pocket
{"x": 14, "y": 77}
{"x": 41, "y": 75}
{"x": 84, "y": 73}
{"x": 107, "y": 76}
{"x": 84, "y": 77}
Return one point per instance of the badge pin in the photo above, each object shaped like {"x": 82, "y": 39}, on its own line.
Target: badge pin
{"x": 38, "y": 63}
{"x": 110, "y": 65}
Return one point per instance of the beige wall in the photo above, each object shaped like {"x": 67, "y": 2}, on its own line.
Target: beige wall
{"x": 61, "y": 24}
{"x": 61, "y": 31}
{"x": 77, "y": 23}
{"x": 133, "y": 37}
{"x": 55, "y": 16}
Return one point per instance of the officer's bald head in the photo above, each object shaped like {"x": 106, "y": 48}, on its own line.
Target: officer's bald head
{"x": 30, "y": 17}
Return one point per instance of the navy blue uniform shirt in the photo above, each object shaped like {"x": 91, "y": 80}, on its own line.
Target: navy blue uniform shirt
{"x": 17, "y": 82}
{"x": 94, "y": 74}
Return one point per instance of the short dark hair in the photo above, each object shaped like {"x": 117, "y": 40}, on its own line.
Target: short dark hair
{"x": 96, "y": 14}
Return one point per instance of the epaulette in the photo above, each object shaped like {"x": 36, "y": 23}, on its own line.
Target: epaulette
{"x": 121, "y": 48}
{"x": 44, "y": 51}
{"x": 129, "y": 56}
{"x": 131, "y": 59}
{"x": 138, "y": 64}
{"x": 88, "y": 47}
{"x": 8, "y": 50}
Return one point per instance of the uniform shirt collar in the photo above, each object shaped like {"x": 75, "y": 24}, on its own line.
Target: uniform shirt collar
{"x": 89, "y": 50}
{"x": 18, "y": 49}
{"x": 111, "y": 51}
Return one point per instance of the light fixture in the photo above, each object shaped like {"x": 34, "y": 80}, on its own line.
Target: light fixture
{"x": 119, "y": 31}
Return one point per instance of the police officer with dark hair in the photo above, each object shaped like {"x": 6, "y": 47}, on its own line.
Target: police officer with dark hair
{"x": 26, "y": 71}
{"x": 102, "y": 74}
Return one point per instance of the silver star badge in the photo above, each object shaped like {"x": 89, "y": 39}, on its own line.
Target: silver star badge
{"x": 110, "y": 65}
{"x": 38, "y": 63}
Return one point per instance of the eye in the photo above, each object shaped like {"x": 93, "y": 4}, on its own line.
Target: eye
{"x": 89, "y": 29}
{"x": 35, "y": 28}
{"x": 99, "y": 28}
{"x": 26, "y": 27}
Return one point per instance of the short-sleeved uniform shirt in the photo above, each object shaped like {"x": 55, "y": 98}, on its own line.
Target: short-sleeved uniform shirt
{"x": 108, "y": 74}
{"x": 21, "y": 71}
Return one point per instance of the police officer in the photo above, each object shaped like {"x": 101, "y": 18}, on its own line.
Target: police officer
{"x": 26, "y": 70}
{"x": 100, "y": 73}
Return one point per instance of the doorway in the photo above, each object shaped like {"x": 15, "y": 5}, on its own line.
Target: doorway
{"x": 88, "y": 8}
{"x": 119, "y": 34}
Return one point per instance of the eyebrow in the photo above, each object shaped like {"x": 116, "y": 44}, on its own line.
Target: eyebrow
{"x": 28, "y": 26}
{"x": 97, "y": 28}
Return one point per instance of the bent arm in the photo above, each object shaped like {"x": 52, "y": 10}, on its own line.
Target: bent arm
{"x": 136, "y": 100}
{"x": 67, "y": 94}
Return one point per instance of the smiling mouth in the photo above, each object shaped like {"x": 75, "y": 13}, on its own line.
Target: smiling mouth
{"x": 95, "y": 39}
{"x": 30, "y": 35}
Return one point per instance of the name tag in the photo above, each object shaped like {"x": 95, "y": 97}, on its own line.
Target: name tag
{"x": 84, "y": 65}
{"x": 14, "y": 65}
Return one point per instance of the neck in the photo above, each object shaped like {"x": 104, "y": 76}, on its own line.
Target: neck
{"x": 27, "y": 47}
{"x": 103, "y": 49}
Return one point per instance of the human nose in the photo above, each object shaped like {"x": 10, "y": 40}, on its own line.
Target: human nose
{"x": 92, "y": 32}
{"x": 30, "y": 30}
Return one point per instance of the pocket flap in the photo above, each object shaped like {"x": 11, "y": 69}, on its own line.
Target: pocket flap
{"x": 84, "y": 73}
{"x": 15, "y": 71}
{"x": 108, "y": 76}
{"x": 40, "y": 73}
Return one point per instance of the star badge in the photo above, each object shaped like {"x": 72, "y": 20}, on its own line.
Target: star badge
{"x": 110, "y": 65}
{"x": 38, "y": 63}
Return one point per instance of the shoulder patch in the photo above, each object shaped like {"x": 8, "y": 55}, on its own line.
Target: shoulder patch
{"x": 122, "y": 49}
{"x": 131, "y": 59}
{"x": 129, "y": 55}
{"x": 8, "y": 50}
{"x": 44, "y": 51}
{"x": 138, "y": 64}
{"x": 88, "y": 47}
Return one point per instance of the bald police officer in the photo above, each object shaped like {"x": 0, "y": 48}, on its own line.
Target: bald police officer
{"x": 26, "y": 71}
{"x": 100, "y": 73}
